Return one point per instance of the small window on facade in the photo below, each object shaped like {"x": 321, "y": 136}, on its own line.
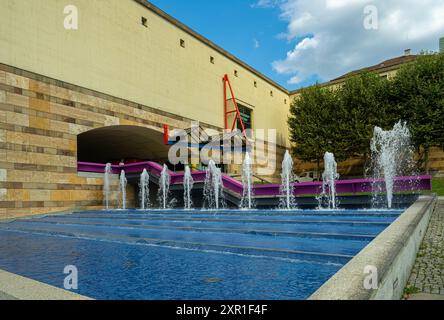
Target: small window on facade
{"x": 271, "y": 93}
{"x": 212, "y": 60}
{"x": 255, "y": 84}
{"x": 235, "y": 73}
{"x": 144, "y": 22}
{"x": 285, "y": 101}
{"x": 182, "y": 43}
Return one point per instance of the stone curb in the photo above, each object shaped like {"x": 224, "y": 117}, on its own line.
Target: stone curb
{"x": 15, "y": 287}
{"x": 393, "y": 253}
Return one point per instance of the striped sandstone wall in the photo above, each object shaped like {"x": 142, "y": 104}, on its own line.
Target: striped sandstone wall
{"x": 40, "y": 119}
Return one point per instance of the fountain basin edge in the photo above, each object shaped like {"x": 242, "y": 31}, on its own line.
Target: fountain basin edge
{"x": 393, "y": 253}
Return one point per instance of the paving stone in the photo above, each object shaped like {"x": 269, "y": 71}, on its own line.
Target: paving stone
{"x": 427, "y": 274}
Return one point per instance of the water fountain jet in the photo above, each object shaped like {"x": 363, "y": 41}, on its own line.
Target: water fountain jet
{"x": 187, "y": 188}
{"x": 392, "y": 156}
{"x": 107, "y": 185}
{"x": 247, "y": 182}
{"x": 288, "y": 200}
{"x": 329, "y": 178}
{"x": 123, "y": 184}
{"x": 144, "y": 193}
{"x": 213, "y": 189}
{"x": 164, "y": 188}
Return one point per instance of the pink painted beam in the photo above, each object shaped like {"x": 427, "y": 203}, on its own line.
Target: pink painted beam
{"x": 416, "y": 183}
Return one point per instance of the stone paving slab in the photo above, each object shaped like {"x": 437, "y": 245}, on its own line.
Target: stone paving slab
{"x": 13, "y": 286}
{"x": 428, "y": 273}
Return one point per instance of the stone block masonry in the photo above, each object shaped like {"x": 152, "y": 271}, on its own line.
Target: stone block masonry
{"x": 40, "y": 119}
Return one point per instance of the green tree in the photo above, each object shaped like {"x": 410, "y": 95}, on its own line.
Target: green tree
{"x": 364, "y": 104}
{"x": 342, "y": 120}
{"x": 339, "y": 120}
{"x": 313, "y": 125}
{"x": 418, "y": 98}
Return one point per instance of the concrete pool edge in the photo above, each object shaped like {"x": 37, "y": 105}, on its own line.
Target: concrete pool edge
{"x": 393, "y": 253}
{"x": 15, "y": 287}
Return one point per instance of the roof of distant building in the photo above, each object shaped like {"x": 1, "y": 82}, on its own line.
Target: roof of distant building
{"x": 385, "y": 66}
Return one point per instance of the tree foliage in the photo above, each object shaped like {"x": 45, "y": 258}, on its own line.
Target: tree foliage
{"x": 363, "y": 102}
{"x": 418, "y": 98}
{"x": 342, "y": 120}
{"x": 311, "y": 123}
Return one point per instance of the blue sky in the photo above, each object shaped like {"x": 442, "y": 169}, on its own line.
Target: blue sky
{"x": 249, "y": 33}
{"x": 299, "y": 42}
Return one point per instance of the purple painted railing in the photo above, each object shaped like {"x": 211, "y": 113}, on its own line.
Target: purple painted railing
{"x": 415, "y": 183}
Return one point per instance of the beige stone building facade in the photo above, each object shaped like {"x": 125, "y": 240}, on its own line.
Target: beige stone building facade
{"x": 128, "y": 70}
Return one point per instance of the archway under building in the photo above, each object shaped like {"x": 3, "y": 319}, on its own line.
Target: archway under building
{"x": 123, "y": 144}
{"x": 116, "y": 143}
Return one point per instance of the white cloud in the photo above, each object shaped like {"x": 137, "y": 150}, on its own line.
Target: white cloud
{"x": 266, "y": 3}
{"x": 256, "y": 43}
{"x": 307, "y": 43}
{"x": 334, "y": 40}
{"x": 336, "y": 4}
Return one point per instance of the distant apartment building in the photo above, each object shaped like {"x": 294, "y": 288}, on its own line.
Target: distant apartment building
{"x": 386, "y": 69}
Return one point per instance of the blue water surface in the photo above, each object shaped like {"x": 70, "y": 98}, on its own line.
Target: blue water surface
{"x": 190, "y": 255}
